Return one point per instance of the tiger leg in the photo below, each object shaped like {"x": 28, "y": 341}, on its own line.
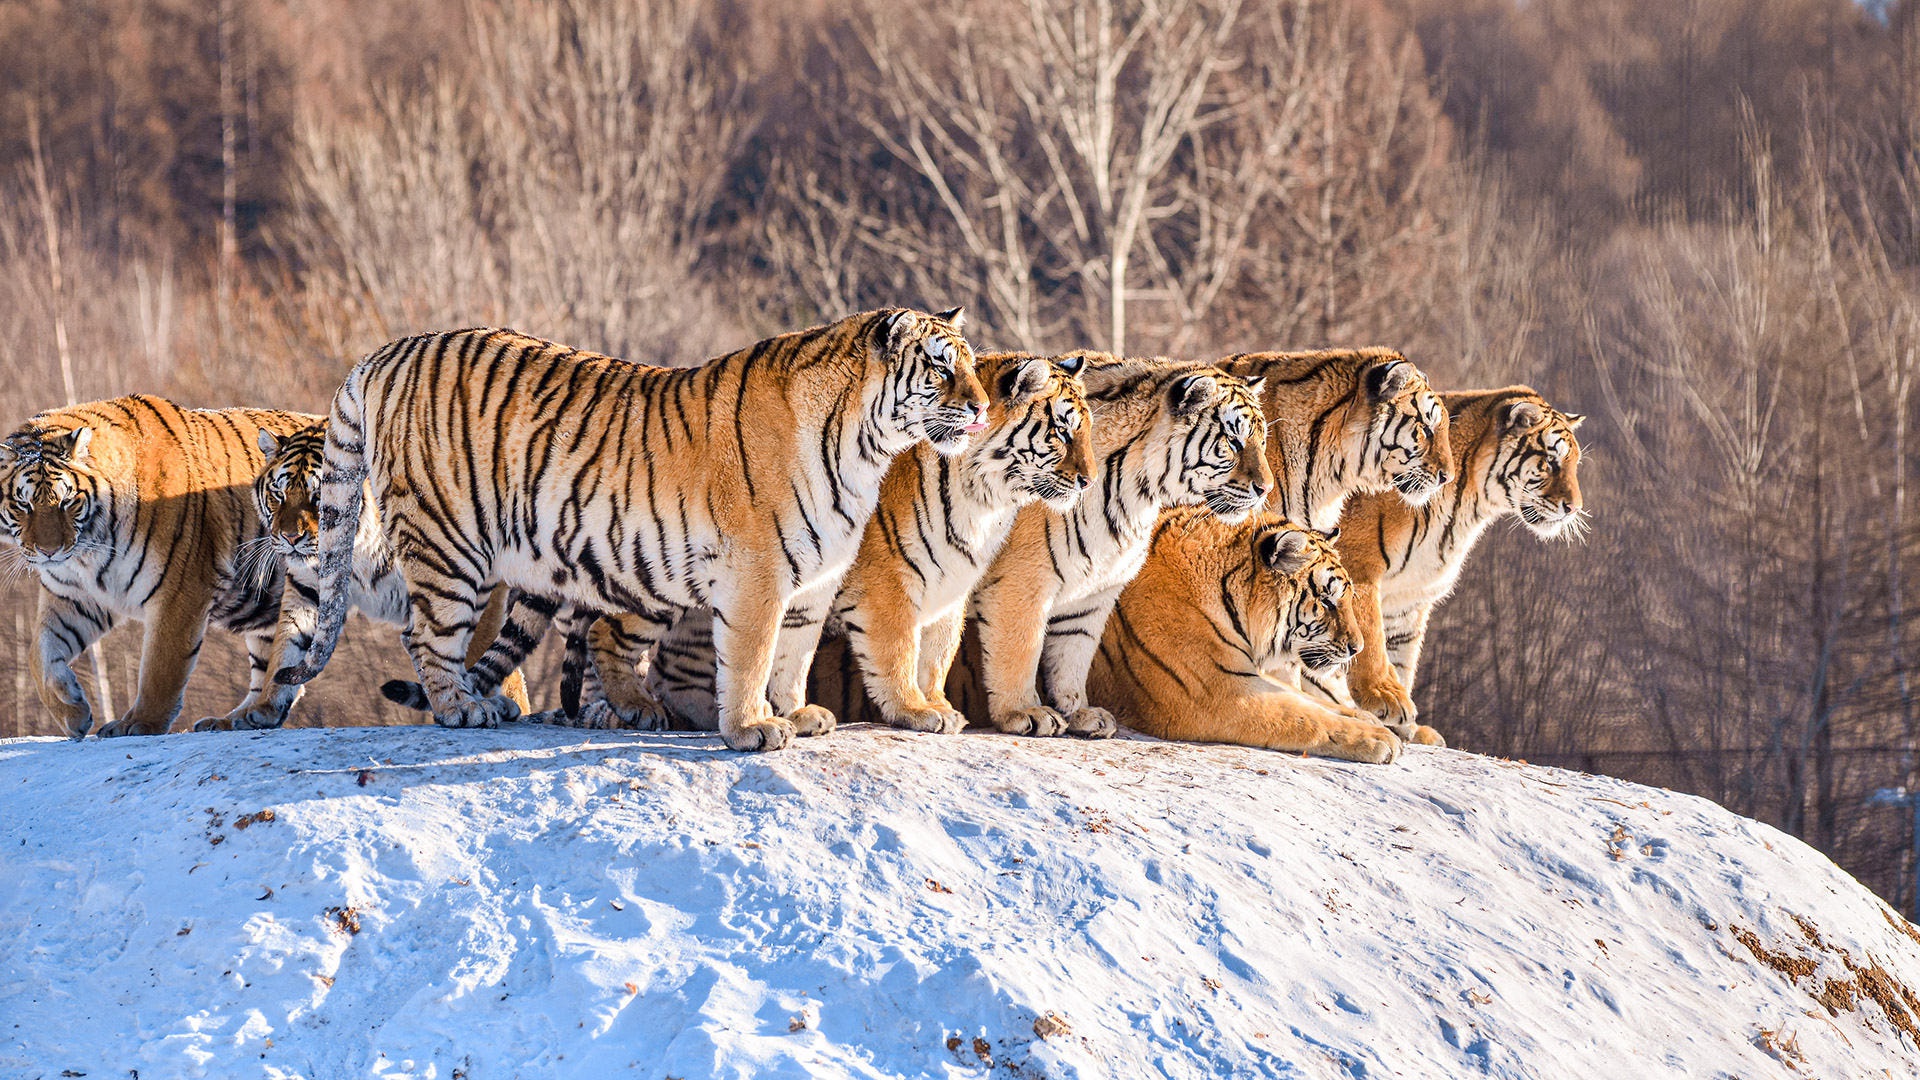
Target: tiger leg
{"x": 440, "y": 620}
{"x": 1013, "y": 632}
{"x": 793, "y": 650}
{"x": 260, "y": 653}
{"x": 1279, "y": 718}
{"x": 1405, "y": 632}
{"x": 66, "y": 629}
{"x": 1073, "y": 636}
{"x": 523, "y": 621}
{"x": 169, "y": 649}
{"x": 680, "y": 673}
{"x": 1370, "y": 678}
{"x": 293, "y": 631}
{"x": 620, "y": 645}
{"x": 747, "y": 611}
{"x": 889, "y": 650}
{"x": 493, "y": 619}
{"x": 939, "y": 644}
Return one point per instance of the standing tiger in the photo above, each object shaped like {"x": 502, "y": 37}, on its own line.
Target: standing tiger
{"x": 1166, "y": 433}
{"x": 1234, "y": 601}
{"x": 286, "y": 495}
{"x": 1514, "y": 454}
{"x": 136, "y": 508}
{"x": 939, "y": 522}
{"x": 741, "y": 485}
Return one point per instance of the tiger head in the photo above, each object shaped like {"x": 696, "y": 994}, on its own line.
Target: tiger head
{"x": 932, "y": 391}
{"x": 1408, "y": 444}
{"x": 50, "y": 497}
{"x": 1534, "y": 466}
{"x": 1217, "y": 446}
{"x": 1039, "y": 437}
{"x": 287, "y": 492}
{"x": 1298, "y": 608}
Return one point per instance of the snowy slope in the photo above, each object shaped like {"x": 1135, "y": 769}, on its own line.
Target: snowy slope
{"x": 535, "y": 902}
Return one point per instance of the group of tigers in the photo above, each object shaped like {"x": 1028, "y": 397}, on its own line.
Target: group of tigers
{"x": 1243, "y": 551}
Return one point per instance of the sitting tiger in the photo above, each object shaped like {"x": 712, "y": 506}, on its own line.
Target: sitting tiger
{"x": 939, "y": 523}
{"x": 1166, "y": 433}
{"x": 1187, "y": 650}
{"x": 286, "y": 496}
{"x": 1514, "y": 454}
{"x": 741, "y": 485}
{"x": 136, "y": 508}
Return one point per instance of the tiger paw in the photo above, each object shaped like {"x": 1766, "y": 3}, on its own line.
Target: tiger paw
{"x": 1374, "y": 744}
{"x": 131, "y": 725}
{"x": 241, "y": 720}
{"x": 1392, "y": 704}
{"x": 1092, "y": 722}
{"x": 479, "y": 713}
{"x": 1038, "y": 720}
{"x": 773, "y": 733}
{"x": 604, "y": 715}
{"x": 936, "y": 720}
{"x": 812, "y": 720}
{"x": 1426, "y": 736}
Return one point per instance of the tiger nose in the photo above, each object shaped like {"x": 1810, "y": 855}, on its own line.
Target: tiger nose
{"x": 1082, "y": 483}
{"x": 1446, "y": 477}
{"x": 979, "y": 421}
{"x": 1259, "y": 490}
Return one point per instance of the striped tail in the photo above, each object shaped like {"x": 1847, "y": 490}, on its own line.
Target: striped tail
{"x": 342, "y": 484}
{"x": 528, "y": 617}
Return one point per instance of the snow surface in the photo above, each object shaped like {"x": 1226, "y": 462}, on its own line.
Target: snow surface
{"x": 538, "y": 902}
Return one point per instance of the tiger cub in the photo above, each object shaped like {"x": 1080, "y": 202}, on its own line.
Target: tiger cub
{"x": 286, "y": 496}
{"x": 1514, "y": 454}
{"x": 1166, "y": 433}
{"x": 1216, "y": 607}
{"x": 741, "y": 485}
{"x": 940, "y": 522}
{"x": 136, "y": 508}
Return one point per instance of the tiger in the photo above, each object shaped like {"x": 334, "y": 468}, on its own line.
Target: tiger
{"x": 138, "y": 508}
{"x": 1166, "y": 433}
{"x": 1187, "y": 649}
{"x": 741, "y": 485}
{"x": 939, "y": 522}
{"x": 285, "y": 495}
{"x": 1514, "y": 454}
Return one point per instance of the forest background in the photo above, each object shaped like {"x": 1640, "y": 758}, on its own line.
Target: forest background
{"x": 1696, "y": 221}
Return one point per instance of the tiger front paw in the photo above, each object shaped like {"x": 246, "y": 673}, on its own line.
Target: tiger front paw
{"x": 812, "y": 720}
{"x": 772, "y": 733}
{"x": 1426, "y": 736}
{"x": 934, "y": 719}
{"x": 134, "y": 725}
{"x": 487, "y": 712}
{"x": 1374, "y": 744}
{"x": 1038, "y": 720}
{"x": 1092, "y": 722}
{"x": 1392, "y": 704}
{"x": 603, "y": 715}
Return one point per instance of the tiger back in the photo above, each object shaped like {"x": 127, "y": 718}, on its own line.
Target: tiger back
{"x": 741, "y": 485}
{"x": 1515, "y": 455}
{"x": 286, "y": 498}
{"x": 1188, "y": 651}
{"x": 1166, "y": 433}
{"x": 137, "y": 508}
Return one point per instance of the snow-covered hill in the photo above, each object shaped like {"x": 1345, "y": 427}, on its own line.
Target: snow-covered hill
{"x": 536, "y": 902}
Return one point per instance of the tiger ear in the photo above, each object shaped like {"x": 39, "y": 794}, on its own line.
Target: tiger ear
{"x": 1281, "y": 549}
{"x": 1025, "y": 381}
{"x": 1573, "y": 420}
{"x": 1387, "y": 378}
{"x": 954, "y": 317}
{"x": 1194, "y": 392}
{"x": 1071, "y": 364}
{"x": 73, "y": 445}
{"x": 1257, "y": 385}
{"x": 269, "y": 442}
{"x": 1332, "y": 535}
{"x": 897, "y": 323}
{"x": 1522, "y": 415}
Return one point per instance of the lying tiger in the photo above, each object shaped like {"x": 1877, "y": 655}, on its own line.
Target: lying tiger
{"x": 1188, "y": 651}
{"x": 137, "y": 508}
{"x": 1514, "y": 454}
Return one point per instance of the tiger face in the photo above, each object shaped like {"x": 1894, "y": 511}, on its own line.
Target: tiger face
{"x": 287, "y": 492}
{"x": 933, "y": 392}
{"x": 1408, "y": 444}
{"x": 1039, "y": 437}
{"x": 1311, "y": 621}
{"x": 1535, "y": 467}
{"x": 49, "y": 496}
{"x": 1218, "y": 447}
